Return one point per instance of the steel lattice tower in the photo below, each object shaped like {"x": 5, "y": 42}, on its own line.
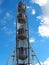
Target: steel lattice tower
{"x": 22, "y": 36}
{"x": 21, "y": 52}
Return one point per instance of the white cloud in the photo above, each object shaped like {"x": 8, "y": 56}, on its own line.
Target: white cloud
{"x": 40, "y": 2}
{"x": 44, "y": 31}
{"x": 46, "y": 62}
{"x": 28, "y": 7}
{"x": 7, "y": 31}
{"x": 32, "y": 40}
{"x": 4, "y": 28}
{"x": 33, "y": 11}
{"x": 8, "y": 16}
{"x": 38, "y": 17}
{"x": 45, "y": 9}
{"x": 44, "y": 25}
{"x": 45, "y": 21}
{"x": 38, "y": 63}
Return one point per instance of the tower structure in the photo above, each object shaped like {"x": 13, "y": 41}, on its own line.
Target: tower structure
{"x": 22, "y": 36}
{"x": 21, "y": 52}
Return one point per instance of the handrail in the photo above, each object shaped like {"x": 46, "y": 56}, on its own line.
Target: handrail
{"x": 10, "y": 56}
{"x": 36, "y": 56}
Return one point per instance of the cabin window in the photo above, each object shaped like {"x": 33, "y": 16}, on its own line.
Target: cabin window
{"x": 21, "y": 31}
{"x": 22, "y": 51}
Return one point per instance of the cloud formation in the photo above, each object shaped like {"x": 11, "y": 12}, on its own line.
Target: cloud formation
{"x": 43, "y": 29}
{"x": 33, "y": 11}
{"x": 4, "y": 23}
{"x": 8, "y": 16}
{"x": 32, "y": 40}
{"x": 28, "y": 7}
{"x": 40, "y": 2}
{"x": 46, "y": 62}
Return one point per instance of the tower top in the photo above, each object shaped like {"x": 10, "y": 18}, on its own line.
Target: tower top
{"x": 21, "y": 7}
{"x": 21, "y": 3}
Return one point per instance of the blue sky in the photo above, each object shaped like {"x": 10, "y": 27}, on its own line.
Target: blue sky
{"x": 38, "y": 22}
